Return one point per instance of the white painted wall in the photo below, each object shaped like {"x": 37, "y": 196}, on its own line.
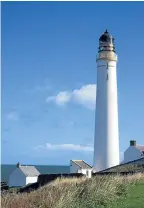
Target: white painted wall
{"x": 73, "y": 167}
{"x": 87, "y": 172}
{"x": 106, "y": 145}
{"x": 89, "y": 175}
{"x": 31, "y": 179}
{"x": 132, "y": 153}
{"x": 17, "y": 178}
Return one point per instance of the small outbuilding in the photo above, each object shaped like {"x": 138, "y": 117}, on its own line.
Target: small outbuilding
{"x": 80, "y": 166}
{"x": 23, "y": 175}
{"x": 134, "y": 152}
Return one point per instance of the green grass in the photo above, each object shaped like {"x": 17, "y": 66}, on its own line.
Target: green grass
{"x": 134, "y": 197}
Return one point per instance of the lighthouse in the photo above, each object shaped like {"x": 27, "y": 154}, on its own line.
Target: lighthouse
{"x": 106, "y": 141}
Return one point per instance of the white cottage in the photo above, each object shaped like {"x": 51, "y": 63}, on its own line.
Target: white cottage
{"x": 133, "y": 152}
{"x": 80, "y": 166}
{"x": 23, "y": 175}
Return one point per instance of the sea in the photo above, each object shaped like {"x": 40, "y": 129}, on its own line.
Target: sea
{"x": 6, "y": 170}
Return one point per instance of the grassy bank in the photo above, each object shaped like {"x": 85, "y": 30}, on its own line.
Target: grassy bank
{"x": 98, "y": 192}
{"x": 134, "y": 199}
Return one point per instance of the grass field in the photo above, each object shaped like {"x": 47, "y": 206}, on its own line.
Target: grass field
{"x": 98, "y": 192}
{"x": 134, "y": 198}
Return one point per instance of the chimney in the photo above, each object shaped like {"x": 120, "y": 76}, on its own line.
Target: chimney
{"x": 133, "y": 143}
{"x": 18, "y": 165}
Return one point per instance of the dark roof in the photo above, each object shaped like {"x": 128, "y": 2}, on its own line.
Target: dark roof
{"x": 124, "y": 164}
{"x": 82, "y": 164}
{"x": 29, "y": 170}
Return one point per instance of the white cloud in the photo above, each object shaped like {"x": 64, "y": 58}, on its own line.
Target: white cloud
{"x": 61, "y": 98}
{"x": 72, "y": 147}
{"x": 14, "y": 116}
{"x": 85, "y": 96}
{"x": 51, "y": 98}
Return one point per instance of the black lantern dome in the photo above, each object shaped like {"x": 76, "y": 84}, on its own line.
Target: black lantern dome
{"x": 106, "y": 37}
{"x": 106, "y": 42}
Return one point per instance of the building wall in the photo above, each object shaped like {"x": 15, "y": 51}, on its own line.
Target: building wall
{"x": 73, "y": 167}
{"x": 87, "y": 172}
{"x": 76, "y": 169}
{"x": 17, "y": 178}
{"x": 132, "y": 153}
{"x": 31, "y": 179}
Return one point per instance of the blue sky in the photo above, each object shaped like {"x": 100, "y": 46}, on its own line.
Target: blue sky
{"x": 49, "y": 77}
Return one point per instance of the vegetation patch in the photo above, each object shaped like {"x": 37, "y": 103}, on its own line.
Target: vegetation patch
{"x": 98, "y": 192}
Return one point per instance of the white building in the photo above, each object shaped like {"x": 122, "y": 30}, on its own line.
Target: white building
{"x": 133, "y": 152}
{"x": 106, "y": 144}
{"x": 23, "y": 175}
{"x": 80, "y": 166}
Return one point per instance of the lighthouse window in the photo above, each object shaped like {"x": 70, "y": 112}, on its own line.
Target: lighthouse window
{"x": 107, "y": 77}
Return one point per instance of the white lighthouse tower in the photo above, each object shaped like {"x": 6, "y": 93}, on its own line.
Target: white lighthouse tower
{"x": 106, "y": 143}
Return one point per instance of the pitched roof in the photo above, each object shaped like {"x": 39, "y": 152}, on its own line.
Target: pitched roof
{"x": 82, "y": 164}
{"x": 140, "y": 147}
{"x": 29, "y": 170}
